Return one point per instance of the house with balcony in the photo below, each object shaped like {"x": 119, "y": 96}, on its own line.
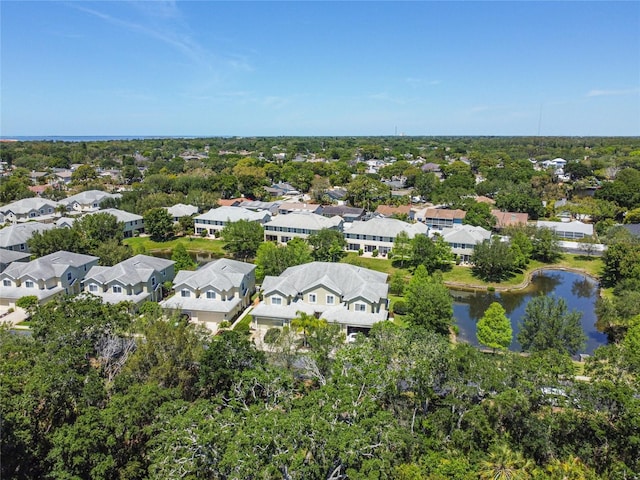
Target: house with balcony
{"x": 136, "y": 279}
{"x": 216, "y": 219}
{"x": 439, "y": 218}
{"x": 58, "y": 273}
{"x": 283, "y": 228}
{"x": 379, "y": 234}
{"x": 16, "y": 237}
{"x": 216, "y": 292}
{"x": 509, "y": 219}
{"x": 88, "y": 201}
{"x": 34, "y": 208}
{"x": 351, "y": 296}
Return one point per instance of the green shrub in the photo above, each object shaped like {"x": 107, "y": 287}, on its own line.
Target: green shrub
{"x": 400, "y": 307}
{"x": 272, "y": 335}
{"x": 374, "y": 253}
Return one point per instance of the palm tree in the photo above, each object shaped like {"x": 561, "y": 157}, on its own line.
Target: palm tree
{"x": 570, "y": 469}
{"x": 505, "y": 464}
{"x": 305, "y": 323}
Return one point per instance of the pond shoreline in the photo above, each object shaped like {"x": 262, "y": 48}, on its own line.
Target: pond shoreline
{"x": 514, "y": 288}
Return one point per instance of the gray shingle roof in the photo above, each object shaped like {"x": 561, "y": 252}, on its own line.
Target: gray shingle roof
{"x": 21, "y": 207}
{"x": 131, "y": 271}
{"x": 21, "y": 232}
{"x": 305, "y": 220}
{"x": 233, "y": 214}
{"x": 224, "y": 274}
{"x": 182, "y": 210}
{"x": 89, "y": 197}
{"x": 49, "y": 266}
{"x": 388, "y": 227}
{"x": 347, "y": 280}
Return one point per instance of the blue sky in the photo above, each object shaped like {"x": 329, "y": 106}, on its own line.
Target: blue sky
{"x": 319, "y": 68}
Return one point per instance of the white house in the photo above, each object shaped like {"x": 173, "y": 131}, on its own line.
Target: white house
{"x": 216, "y": 292}
{"x": 34, "y": 208}
{"x": 568, "y": 230}
{"x": 354, "y": 297}
{"x": 464, "y": 238}
{"x": 57, "y": 273}
{"x": 88, "y": 201}
{"x": 15, "y": 237}
{"x": 216, "y": 219}
{"x": 379, "y": 234}
{"x": 136, "y": 279}
{"x": 283, "y": 228}
{"x": 180, "y": 210}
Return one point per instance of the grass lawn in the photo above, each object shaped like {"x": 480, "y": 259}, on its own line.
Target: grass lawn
{"x": 145, "y": 244}
{"x": 245, "y": 324}
{"x": 383, "y": 265}
{"x": 590, "y": 265}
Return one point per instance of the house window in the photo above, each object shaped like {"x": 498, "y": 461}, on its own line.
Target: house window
{"x": 23, "y": 246}
{"x": 6, "y": 283}
{"x": 312, "y": 298}
{"x": 331, "y": 299}
{"x": 117, "y": 289}
{"x": 153, "y": 281}
{"x": 29, "y": 284}
{"x": 276, "y": 300}
{"x": 93, "y": 287}
{"x": 360, "y": 307}
{"x": 211, "y": 294}
{"x": 69, "y": 276}
{"x": 185, "y": 293}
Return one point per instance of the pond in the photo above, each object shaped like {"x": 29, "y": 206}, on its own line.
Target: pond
{"x": 580, "y": 293}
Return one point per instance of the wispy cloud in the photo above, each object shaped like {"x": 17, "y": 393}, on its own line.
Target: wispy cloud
{"x": 609, "y": 93}
{"x": 164, "y": 22}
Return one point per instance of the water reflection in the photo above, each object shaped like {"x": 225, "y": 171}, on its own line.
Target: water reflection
{"x": 579, "y": 292}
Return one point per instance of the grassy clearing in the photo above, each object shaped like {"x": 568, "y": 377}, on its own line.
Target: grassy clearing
{"x": 244, "y": 325}
{"x": 145, "y": 244}
{"x": 383, "y": 265}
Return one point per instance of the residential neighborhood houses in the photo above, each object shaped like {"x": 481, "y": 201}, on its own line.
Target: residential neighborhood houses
{"x": 221, "y": 290}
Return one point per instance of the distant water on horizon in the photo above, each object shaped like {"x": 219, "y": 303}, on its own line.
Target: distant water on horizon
{"x": 88, "y": 138}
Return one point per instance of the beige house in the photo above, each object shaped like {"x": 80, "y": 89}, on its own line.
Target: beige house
{"x": 88, "y": 201}
{"x": 57, "y": 273}
{"x": 137, "y": 279}
{"x": 354, "y": 297}
{"x": 214, "y": 221}
{"x": 216, "y": 292}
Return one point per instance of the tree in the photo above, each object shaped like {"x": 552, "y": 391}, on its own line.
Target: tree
{"x": 84, "y": 173}
{"x": 50, "y": 241}
{"x": 401, "y": 248}
{"x": 545, "y": 245}
{"x": 242, "y": 238}
{"x": 505, "y": 464}
{"x": 367, "y": 192}
{"x": 158, "y": 223}
{"x": 97, "y": 228}
{"x": 328, "y": 245}
{"x": 305, "y": 323}
{"x": 272, "y": 259}
{"x": 430, "y": 304}
{"x": 479, "y": 214}
{"x": 493, "y": 260}
{"x": 548, "y": 325}
{"x": 111, "y": 252}
{"x": 182, "y": 258}
{"x": 494, "y": 328}
{"x": 434, "y": 253}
